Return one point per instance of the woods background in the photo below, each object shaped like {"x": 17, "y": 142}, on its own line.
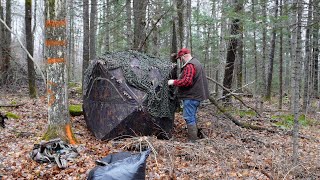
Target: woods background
{"x": 276, "y": 41}
{"x": 265, "y": 49}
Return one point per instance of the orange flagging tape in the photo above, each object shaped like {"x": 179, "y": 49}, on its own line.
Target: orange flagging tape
{"x": 56, "y": 23}
{"x": 69, "y": 134}
{"x": 55, "y": 43}
{"x": 55, "y": 60}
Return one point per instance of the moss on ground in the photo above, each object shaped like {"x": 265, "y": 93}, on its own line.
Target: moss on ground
{"x": 75, "y": 109}
{"x": 12, "y": 115}
{"x": 286, "y": 121}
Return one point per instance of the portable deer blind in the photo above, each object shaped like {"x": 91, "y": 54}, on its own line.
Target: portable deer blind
{"x": 126, "y": 94}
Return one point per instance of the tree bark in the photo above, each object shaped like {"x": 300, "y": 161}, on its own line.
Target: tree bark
{"x": 2, "y": 65}
{"x": 307, "y": 61}
{"x": 7, "y": 42}
{"x": 315, "y": 48}
{"x": 29, "y": 42}
{"x": 128, "y": 22}
{"x": 155, "y": 29}
{"x": 139, "y": 14}
{"x": 174, "y": 47}
{"x": 71, "y": 41}
{"x": 180, "y": 10}
{"x": 271, "y": 55}
{"x": 296, "y": 81}
{"x": 231, "y": 51}
{"x": 189, "y": 24}
{"x": 255, "y": 56}
{"x": 280, "y": 62}
{"x": 289, "y": 52}
{"x": 240, "y": 59}
{"x": 93, "y": 29}
{"x": 222, "y": 49}
{"x": 264, "y": 51}
{"x": 86, "y": 37}
{"x": 107, "y": 27}
{"x": 57, "y": 91}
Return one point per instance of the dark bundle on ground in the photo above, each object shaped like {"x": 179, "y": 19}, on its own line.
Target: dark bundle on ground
{"x": 2, "y": 118}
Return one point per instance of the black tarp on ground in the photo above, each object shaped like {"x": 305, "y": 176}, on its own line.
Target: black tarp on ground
{"x": 126, "y": 93}
{"x": 121, "y": 166}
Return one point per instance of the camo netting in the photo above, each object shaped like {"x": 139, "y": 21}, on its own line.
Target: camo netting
{"x": 159, "y": 101}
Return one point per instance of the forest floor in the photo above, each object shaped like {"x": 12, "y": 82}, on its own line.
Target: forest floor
{"x": 228, "y": 151}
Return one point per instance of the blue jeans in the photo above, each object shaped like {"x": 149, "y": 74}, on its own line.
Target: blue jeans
{"x": 190, "y": 108}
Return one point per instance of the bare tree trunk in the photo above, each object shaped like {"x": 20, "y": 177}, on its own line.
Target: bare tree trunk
{"x": 107, "y": 26}
{"x": 174, "y": 47}
{"x": 93, "y": 29}
{"x": 307, "y": 61}
{"x": 240, "y": 53}
{"x": 180, "y": 10}
{"x": 189, "y": 23}
{"x": 240, "y": 62}
{"x": 280, "y": 62}
{"x": 271, "y": 55}
{"x": 29, "y": 42}
{"x": 86, "y": 37}
{"x": 7, "y": 42}
{"x": 293, "y": 47}
{"x": 255, "y": 56}
{"x": 231, "y": 51}
{"x": 57, "y": 91}
{"x": 128, "y": 22}
{"x": 139, "y": 14}
{"x": 315, "y": 48}
{"x": 296, "y": 81}
{"x": 264, "y": 53}
{"x": 2, "y": 32}
{"x": 71, "y": 41}
{"x": 155, "y": 31}
{"x": 197, "y": 18}
{"x": 222, "y": 50}
{"x": 206, "y": 46}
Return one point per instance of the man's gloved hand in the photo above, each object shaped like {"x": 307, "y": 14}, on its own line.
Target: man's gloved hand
{"x": 170, "y": 82}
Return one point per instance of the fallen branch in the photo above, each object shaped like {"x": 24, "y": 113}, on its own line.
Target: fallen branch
{"x": 253, "y": 127}
{"x": 231, "y": 93}
{"x": 12, "y": 105}
{"x": 234, "y": 120}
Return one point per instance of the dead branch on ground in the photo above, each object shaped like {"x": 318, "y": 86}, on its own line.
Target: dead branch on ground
{"x": 231, "y": 93}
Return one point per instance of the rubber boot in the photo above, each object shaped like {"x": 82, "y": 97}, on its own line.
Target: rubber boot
{"x": 192, "y": 133}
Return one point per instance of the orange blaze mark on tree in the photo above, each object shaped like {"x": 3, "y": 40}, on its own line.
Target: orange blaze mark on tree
{"x": 52, "y": 98}
{"x": 55, "y": 60}
{"x": 55, "y": 42}
{"x": 69, "y": 134}
{"x": 56, "y": 23}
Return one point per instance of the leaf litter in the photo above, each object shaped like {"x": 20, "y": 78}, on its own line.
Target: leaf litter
{"x": 227, "y": 151}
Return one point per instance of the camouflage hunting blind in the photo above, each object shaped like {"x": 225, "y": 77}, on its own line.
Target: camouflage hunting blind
{"x": 126, "y": 94}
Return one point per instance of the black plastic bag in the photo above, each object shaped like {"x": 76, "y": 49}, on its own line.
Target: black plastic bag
{"x": 121, "y": 166}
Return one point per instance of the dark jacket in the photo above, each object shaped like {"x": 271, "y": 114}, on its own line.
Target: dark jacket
{"x": 199, "y": 88}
